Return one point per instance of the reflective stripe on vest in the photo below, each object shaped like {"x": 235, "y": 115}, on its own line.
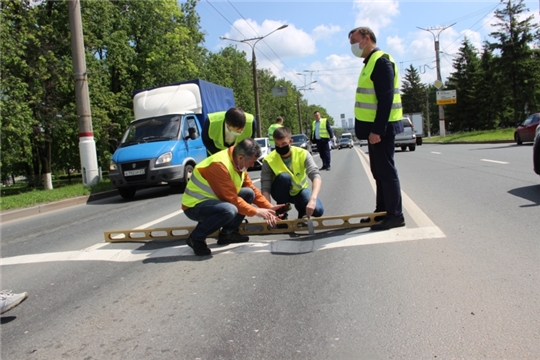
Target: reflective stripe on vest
{"x": 323, "y": 132}
{"x": 365, "y": 107}
{"x": 198, "y": 189}
{"x": 271, "y": 130}
{"x": 298, "y": 173}
{"x": 216, "y": 129}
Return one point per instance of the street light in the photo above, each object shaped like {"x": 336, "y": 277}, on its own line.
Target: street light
{"x": 304, "y": 89}
{"x": 254, "y": 63}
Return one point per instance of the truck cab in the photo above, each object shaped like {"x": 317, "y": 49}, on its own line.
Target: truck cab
{"x": 163, "y": 144}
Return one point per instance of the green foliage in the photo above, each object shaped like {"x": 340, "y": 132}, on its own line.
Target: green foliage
{"x": 413, "y": 92}
{"x": 23, "y": 196}
{"x": 475, "y": 137}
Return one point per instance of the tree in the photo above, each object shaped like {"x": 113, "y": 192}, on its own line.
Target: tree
{"x": 413, "y": 92}
{"x": 465, "y": 115}
{"x": 516, "y": 60}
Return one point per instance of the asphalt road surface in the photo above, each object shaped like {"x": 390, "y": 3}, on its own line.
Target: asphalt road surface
{"x": 461, "y": 280}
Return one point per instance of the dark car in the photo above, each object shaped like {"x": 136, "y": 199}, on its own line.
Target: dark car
{"x": 525, "y": 130}
{"x": 536, "y": 151}
{"x": 345, "y": 143}
{"x": 302, "y": 141}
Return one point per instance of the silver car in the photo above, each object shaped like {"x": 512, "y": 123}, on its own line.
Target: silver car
{"x": 406, "y": 139}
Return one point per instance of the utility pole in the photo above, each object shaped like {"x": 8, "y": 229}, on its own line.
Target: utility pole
{"x": 442, "y": 131}
{"x": 87, "y": 145}
{"x": 304, "y": 89}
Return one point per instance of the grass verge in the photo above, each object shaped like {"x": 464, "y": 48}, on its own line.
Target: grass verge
{"x": 16, "y": 197}
{"x": 473, "y": 136}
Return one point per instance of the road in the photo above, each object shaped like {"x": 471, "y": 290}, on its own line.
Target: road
{"x": 459, "y": 281}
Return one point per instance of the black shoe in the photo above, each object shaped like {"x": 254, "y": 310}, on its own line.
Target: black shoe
{"x": 199, "y": 247}
{"x": 328, "y": 168}
{"x": 232, "y": 238}
{"x": 389, "y": 222}
{"x": 323, "y": 168}
{"x": 376, "y": 219}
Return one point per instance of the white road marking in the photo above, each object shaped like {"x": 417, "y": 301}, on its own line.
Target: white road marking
{"x": 275, "y": 246}
{"x": 436, "y": 152}
{"x": 426, "y": 230}
{"x": 494, "y": 161}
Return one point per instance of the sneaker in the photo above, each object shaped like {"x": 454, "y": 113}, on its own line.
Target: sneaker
{"x": 232, "y": 238}
{"x": 8, "y": 300}
{"x": 199, "y": 247}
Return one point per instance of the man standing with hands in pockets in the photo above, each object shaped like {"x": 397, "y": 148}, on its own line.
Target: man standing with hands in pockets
{"x": 378, "y": 114}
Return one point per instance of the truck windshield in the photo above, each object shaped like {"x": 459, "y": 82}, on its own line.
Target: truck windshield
{"x": 160, "y": 128}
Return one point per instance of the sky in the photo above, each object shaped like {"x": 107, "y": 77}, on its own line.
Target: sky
{"x": 315, "y": 45}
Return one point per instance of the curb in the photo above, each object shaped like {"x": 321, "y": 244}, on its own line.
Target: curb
{"x": 471, "y": 142}
{"x": 10, "y": 215}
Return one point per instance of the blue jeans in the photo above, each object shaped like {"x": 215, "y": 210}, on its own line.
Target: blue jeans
{"x": 280, "y": 193}
{"x": 213, "y": 215}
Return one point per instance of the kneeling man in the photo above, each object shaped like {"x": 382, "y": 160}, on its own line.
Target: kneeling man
{"x": 219, "y": 196}
{"x": 285, "y": 174}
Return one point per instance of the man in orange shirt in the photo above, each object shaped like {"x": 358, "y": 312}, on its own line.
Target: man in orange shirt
{"x": 219, "y": 196}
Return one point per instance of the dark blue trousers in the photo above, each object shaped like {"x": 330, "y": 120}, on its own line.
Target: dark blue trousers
{"x": 381, "y": 158}
{"x": 280, "y": 193}
{"x": 213, "y": 215}
{"x": 324, "y": 151}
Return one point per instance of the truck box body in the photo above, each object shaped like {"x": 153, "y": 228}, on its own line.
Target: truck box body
{"x": 418, "y": 124}
{"x": 163, "y": 144}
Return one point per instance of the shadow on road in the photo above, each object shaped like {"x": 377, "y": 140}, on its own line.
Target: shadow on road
{"x": 7, "y": 319}
{"x": 530, "y": 193}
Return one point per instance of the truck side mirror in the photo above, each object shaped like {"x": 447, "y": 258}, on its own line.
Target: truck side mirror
{"x": 193, "y": 134}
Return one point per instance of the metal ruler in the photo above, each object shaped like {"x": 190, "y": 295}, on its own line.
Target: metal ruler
{"x": 258, "y": 228}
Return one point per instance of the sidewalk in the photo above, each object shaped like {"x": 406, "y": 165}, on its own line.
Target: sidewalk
{"x": 17, "y": 214}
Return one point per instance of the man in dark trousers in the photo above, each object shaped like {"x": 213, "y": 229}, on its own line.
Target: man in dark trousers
{"x": 321, "y": 133}
{"x": 378, "y": 114}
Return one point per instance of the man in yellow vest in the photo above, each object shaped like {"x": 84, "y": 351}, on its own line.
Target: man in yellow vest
{"x": 219, "y": 196}
{"x": 321, "y": 133}
{"x": 271, "y": 129}
{"x": 285, "y": 174}
{"x": 222, "y": 129}
{"x": 378, "y": 114}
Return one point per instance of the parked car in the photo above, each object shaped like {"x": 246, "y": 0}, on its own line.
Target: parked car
{"x": 526, "y": 130}
{"x": 265, "y": 151}
{"x": 536, "y": 151}
{"x": 345, "y": 143}
{"x": 302, "y": 141}
{"x": 406, "y": 139}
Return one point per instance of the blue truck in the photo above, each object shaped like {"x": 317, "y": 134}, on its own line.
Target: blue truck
{"x": 163, "y": 144}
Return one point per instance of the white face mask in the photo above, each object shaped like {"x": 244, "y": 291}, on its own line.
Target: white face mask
{"x": 243, "y": 168}
{"x": 233, "y": 133}
{"x": 356, "y": 50}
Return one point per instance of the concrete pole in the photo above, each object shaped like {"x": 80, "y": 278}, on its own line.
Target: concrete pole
{"x": 87, "y": 145}
{"x": 256, "y": 91}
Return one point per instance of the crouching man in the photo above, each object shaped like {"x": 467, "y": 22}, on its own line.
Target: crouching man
{"x": 285, "y": 174}
{"x": 219, "y": 196}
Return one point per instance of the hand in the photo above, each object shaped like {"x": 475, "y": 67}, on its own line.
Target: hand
{"x": 310, "y": 207}
{"x": 280, "y": 209}
{"x": 269, "y": 215}
{"x": 374, "y": 138}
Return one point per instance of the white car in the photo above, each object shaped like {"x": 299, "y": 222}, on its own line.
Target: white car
{"x": 265, "y": 151}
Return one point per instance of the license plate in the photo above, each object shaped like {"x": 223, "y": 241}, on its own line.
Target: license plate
{"x": 134, "y": 172}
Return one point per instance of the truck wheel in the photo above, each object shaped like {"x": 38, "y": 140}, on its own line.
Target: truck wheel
{"x": 403, "y": 148}
{"x": 412, "y": 147}
{"x": 188, "y": 171}
{"x": 127, "y": 192}
{"x": 418, "y": 141}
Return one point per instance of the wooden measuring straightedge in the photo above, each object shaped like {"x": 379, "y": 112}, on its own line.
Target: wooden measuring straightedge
{"x": 258, "y": 228}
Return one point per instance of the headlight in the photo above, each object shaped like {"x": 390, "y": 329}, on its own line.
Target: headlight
{"x": 164, "y": 158}
{"x": 303, "y": 145}
{"x": 112, "y": 166}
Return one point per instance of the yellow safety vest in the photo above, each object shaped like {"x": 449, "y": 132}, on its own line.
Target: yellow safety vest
{"x": 365, "y": 107}
{"x": 198, "y": 189}
{"x": 298, "y": 173}
{"x": 323, "y": 133}
{"x": 271, "y": 130}
{"x": 215, "y": 130}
